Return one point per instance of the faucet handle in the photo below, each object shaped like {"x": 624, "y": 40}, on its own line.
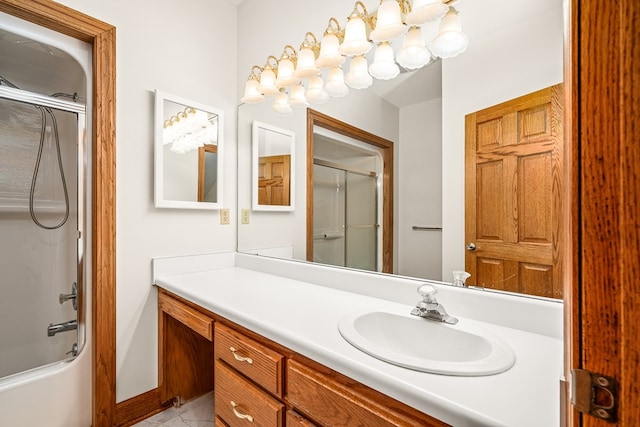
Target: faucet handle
{"x": 428, "y": 293}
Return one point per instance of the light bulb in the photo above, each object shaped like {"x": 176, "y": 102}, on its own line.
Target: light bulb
{"x": 285, "y": 75}
{"x": 268, "y": 81}
{"x": 306, "y": 63}
{"x": 355, "y": 37}
{"x": 329, "y": 55}
{"x": 252, "y": 94}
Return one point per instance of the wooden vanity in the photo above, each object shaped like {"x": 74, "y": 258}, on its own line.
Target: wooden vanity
{"x": 259, "y": 382}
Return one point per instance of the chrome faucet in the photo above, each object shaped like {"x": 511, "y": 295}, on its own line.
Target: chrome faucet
{"x": 430, "y": 308}
{"x": 61, "y": 327}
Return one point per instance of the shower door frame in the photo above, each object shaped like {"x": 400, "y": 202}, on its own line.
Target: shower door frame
{"x": 57, "y": 104}
{"x": 101, "y": 37}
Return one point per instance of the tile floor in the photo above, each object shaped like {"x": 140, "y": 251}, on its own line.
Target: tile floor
{"x": 196, "y": 413}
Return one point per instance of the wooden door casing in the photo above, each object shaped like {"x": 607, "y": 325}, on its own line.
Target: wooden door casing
{"x": 513, "y": 194}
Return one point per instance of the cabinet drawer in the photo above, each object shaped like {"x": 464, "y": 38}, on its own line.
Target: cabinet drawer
{"x": 296, "y": 420}
{"x": 333, "y": 399}
{"x": 239, "y": 403}
{"x": 259, "y": 363}
{"x": 199, "y": 322}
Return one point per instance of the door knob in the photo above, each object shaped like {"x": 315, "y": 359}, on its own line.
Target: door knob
{"x": 471, "y": 247}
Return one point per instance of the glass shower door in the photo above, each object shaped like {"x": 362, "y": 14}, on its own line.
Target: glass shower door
{"x": 329, "y": 215}
{"x": 361, "y": 221}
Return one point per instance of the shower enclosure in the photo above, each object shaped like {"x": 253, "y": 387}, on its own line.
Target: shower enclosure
{"x": 41, "y": 228}
{"x": 345, "y": 212}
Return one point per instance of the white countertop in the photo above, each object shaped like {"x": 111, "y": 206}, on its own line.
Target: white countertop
{"x": 304, "y": 316}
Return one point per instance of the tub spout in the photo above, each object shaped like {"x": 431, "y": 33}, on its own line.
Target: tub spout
{"x": 61, "y": 327}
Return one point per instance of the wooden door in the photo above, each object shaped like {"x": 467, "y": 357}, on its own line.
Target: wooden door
{"x": 513, "y": 194}
{"x": 274, "y": 180}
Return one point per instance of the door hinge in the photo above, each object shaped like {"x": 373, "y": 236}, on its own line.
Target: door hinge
{"x": 594, "y": 394}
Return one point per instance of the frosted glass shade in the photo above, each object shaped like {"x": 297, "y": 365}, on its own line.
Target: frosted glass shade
{"x": 335, "y": 83}
{"x": 281, "y": 104}
{"x": 450, "y": 41}
{"x": 306, "y": 64}
{"x": 268, "y": 81}
{"x": 297, "y": 97}
{"x": 285, "y": 75}
{"x": 384, "y": 66}
{"x": 358, "y": 76}
{"x": 423, "y": 11}
{"x": 389, "y": 24}
{"x": 329, "y": 56}
{"x": 315, "y": 92}
{"x": 252, "y": 94}
{"x": 355, "y": 38}
{"x": 413, "y": 53}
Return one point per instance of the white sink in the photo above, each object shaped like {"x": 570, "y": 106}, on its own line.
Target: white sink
{"x": 464, "y": 349}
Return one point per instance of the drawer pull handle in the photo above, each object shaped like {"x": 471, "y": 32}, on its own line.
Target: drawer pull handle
{"x": 240, "y": 358}
{"x": 234, "y": 407}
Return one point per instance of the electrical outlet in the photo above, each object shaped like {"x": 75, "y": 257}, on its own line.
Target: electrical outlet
{"x": 246, "y": 216}
{"x": 225, "y": 216}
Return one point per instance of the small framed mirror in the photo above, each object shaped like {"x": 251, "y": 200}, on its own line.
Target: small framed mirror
{"x": 273, "y": 168}
{"x": 188, "y": 154}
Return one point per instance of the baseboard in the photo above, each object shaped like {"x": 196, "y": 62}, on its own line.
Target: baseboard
{"x": 138, "y": 408}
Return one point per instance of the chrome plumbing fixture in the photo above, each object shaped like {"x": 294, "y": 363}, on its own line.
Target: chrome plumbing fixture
{"x": 430, "y": 308}
{"x": 72, "y": 296}
{"x": 61, "y": 327}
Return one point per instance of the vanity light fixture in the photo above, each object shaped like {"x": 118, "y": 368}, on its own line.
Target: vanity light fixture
{"x": 294, "y": 71}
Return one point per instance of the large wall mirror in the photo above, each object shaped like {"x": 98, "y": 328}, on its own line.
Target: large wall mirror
{"x": 188, "y": 154}
{"x": 515, "y": 48}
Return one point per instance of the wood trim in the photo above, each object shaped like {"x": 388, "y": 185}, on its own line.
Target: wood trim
{"x": 101, "y": 36}
{"x": 315, "y": 118}
{"x": 138, "y": 408}
{"x": 607, "y": 111}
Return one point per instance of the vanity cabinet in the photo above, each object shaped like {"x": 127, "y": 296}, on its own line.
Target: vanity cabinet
{"x": 262, "y": 383}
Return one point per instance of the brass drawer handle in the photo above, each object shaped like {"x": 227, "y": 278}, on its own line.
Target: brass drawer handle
{"x": 240, "y": 358}
{"x": 239, "y": 414}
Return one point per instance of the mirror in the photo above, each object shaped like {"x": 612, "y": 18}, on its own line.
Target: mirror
{"x": 187, "y": 148}
{"x": 515, "y": 48}
{"x": 273, "y": 182}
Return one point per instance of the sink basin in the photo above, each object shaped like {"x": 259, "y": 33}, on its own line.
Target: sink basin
{"x": 399, "y": 338}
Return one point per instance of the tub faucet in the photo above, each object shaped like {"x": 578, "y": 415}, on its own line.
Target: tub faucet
{"x": 61, "y": 327}
{"x": 430, "y": 308}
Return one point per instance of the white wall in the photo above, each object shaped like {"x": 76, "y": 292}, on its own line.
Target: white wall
{"x": 177, "y": 48}
{"x": 420, "y": 190}
{"x": 515, "y": 48}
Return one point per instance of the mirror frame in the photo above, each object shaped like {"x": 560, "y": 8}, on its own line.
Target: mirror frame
{"x": 255, "y": 143}
{"x": 159, "y": 200}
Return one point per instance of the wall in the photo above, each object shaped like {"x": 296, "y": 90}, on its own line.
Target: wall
{"x": 419, "y": 196}
{"x": 177, "y": 48}
{"x": 515, "y": 48}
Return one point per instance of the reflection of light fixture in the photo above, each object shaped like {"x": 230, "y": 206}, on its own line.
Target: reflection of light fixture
{"x": 358, "y": 76}
{"x": 281, "y": 104}
{"x": 188, "y": 130}
{"x": 384, "y": 67}
{"x": 335, "y": 83}
{"x": 414, "y": 53}
{"x": 450, "y": 41}
{"x": 391, "y": 20}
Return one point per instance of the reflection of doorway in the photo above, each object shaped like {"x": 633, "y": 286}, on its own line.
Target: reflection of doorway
{"x": 208, "y": 173}
{"x": 345, "y": 211}
{"x": 380, "y": 188}
{"x": 513, "y": 194}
